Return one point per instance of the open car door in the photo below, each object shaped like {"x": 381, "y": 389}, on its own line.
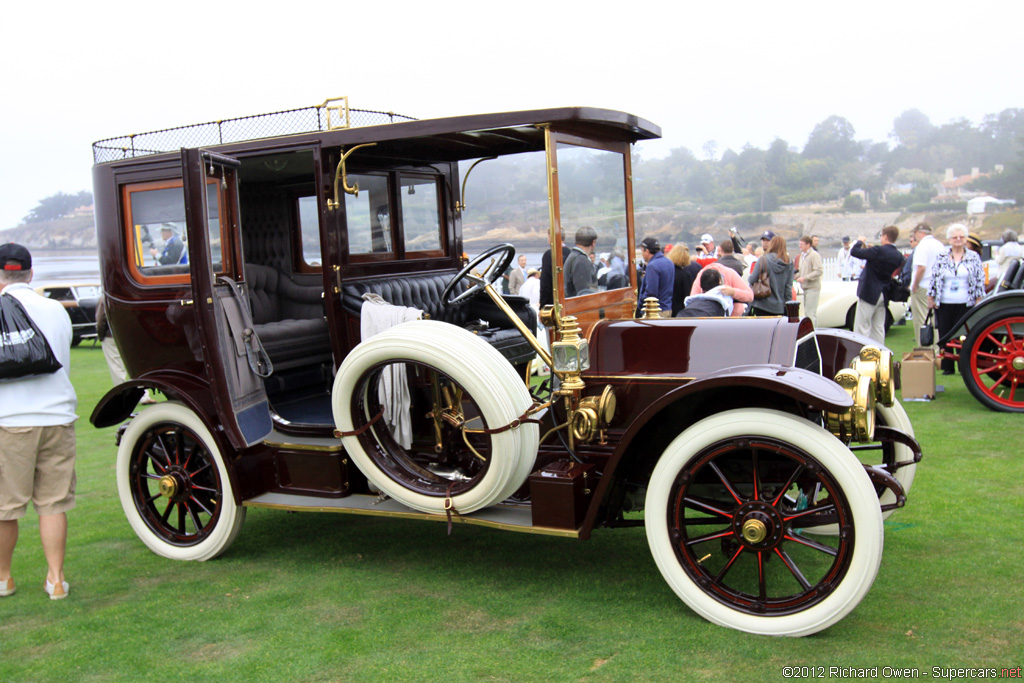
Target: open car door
{"x": 231, "y": 353}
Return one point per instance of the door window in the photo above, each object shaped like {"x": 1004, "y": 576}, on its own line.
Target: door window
{"x": 368, "y": 216}
{"x": 155, "y": 230}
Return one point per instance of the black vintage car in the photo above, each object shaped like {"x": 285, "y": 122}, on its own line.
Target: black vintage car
{"x": 79, "y": 301}
{"x": 294, "y": 383}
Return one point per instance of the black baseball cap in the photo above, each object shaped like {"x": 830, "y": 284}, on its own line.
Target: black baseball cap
{"x": 651, "y": 244}
{"x": 15, "y": 252}
{"x": 767, "y": 235}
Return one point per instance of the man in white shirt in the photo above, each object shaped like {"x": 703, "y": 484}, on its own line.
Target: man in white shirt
{"x": 37, "y": 433}
{"x": 850, "y": 266}
{"x": 927, "y": 250}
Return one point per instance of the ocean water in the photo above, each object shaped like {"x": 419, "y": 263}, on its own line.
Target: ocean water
{"x": 65, "y": 266}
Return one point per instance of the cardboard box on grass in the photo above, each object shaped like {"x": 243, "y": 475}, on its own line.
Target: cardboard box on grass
{"x": 917, "y": 372}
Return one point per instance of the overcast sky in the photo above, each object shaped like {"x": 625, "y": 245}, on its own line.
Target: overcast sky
{"x": 734, "y": 72}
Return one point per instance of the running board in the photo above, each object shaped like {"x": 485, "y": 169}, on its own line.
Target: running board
{"x": 505, "y": 517}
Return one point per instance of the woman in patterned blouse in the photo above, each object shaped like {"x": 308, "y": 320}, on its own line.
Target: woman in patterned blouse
{"x": 958, "y": 281}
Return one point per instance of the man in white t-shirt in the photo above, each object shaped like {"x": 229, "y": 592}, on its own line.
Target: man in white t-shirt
{"x": 850, "y": 266}
{"x": 927, "y": 250}
{"x": 37, "y": 433}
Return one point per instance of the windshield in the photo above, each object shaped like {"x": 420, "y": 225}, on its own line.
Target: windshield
{"x": 592, "y": 206}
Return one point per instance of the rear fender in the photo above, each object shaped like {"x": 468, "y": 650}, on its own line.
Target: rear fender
{"x": 119, "y": 403}
{"x": 740, "y": 386}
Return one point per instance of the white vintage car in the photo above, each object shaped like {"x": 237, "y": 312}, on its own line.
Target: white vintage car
{"x": 838, "y": 305}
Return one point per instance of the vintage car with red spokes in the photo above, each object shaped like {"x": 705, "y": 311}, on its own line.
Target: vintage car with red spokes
{"x": 325, "y": 346}
{"x": 988, "y": 342}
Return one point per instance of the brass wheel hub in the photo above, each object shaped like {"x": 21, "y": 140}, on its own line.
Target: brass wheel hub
{"x": 171, "y": 485}
{"x": 754, "y": 530}
{"x": 1018, "y": 363}
{"x": 758, "y": 526}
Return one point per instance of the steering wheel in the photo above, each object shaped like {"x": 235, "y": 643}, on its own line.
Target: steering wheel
{"x": 493, "y": 272}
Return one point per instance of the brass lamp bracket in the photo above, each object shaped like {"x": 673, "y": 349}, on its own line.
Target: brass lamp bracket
{"x": 341, "y": 173}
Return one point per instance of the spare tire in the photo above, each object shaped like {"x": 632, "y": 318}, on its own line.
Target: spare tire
{"x": 437, "y": 468}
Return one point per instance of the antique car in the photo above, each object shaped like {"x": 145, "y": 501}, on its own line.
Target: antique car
{"x": 327, "y": 348}
{"x": 837, "y": 306}
{"x": 988, "y": 343}
{"x": 79, "y": 301}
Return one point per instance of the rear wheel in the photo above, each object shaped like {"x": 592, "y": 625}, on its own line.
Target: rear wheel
{"x": 433, "y": 454}
{"x": 173, "y": 485}
{"x": 728, "y": 513}
{"x": 992, "y": 360}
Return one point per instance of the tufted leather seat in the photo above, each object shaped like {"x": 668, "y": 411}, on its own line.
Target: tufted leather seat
{"x": 287, "y": 317}
{"x": 424, "y": 292}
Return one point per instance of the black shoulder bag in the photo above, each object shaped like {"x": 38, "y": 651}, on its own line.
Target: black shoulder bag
{"x": 24, "y": 350}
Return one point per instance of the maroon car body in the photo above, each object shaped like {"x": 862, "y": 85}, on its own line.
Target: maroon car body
{"x": 275, "y": 397}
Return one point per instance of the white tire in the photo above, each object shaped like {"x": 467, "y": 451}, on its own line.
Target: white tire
{"x": 195, "y": 517}
{"x": 497, "y": 391}
{"x": 713, "y": 566}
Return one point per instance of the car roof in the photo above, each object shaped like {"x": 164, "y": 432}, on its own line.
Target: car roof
{"x": 442, "y": 139}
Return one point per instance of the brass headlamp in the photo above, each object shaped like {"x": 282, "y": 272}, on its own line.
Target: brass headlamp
{"x": 869, "y": 379}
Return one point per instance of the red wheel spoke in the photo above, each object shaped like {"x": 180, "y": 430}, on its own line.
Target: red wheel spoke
{"x": 728, "y": 566}
{"x": 167, "y": 513}
{"x": 995, "y": 341}
{"x": 793, "y": 569}
{"x": 728, "y": 485}
{"x": 755, "y": 478}
{"x": 709, "y": 537}
{"x": 785, "y": 487}
{"x": 762, "y": 584}
{"x": 195, "y": 519}
{"x": 698, "y": 504}
{"x": 997, "y": 382}
{"x": 797, "y": 538}
{"x": 205, "y": 467}
{"x": 812, "y": 511}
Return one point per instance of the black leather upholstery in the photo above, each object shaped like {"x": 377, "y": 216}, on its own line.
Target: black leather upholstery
{"x": 287, "y": 317}
{"x": 424, "y": 292}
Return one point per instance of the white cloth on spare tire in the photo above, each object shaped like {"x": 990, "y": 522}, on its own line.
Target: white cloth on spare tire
{"x": 477, "y": 367}
{"x": 376, "y": 316}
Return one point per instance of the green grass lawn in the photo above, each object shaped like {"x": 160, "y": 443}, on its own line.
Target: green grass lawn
{"x": 328, "y": 597}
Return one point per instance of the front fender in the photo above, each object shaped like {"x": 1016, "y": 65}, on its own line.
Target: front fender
{"x": 800, "y": 386}
{"x": 997, "y": 302}
{"x": 839, "y": 348}
{"x": 119, "y": 403}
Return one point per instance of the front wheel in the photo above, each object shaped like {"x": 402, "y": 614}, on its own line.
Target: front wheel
{"x": 173, "y": 485}
{"x": 992, "y": 360}
{"x": 729, "y": 511}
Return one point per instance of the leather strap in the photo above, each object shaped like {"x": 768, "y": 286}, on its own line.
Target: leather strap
{"x": 356, "y": 432}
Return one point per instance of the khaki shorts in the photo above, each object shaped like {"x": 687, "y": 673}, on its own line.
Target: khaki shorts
{"x": 37, "y": 464}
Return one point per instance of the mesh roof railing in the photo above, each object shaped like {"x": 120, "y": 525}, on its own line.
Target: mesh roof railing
{"x": 304, "y": 120}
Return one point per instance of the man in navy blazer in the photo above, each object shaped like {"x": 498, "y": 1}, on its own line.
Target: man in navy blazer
{"x": 881, "y": 261}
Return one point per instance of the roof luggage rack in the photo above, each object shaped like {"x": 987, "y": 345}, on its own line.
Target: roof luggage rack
{"x": 330, "y": 115}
